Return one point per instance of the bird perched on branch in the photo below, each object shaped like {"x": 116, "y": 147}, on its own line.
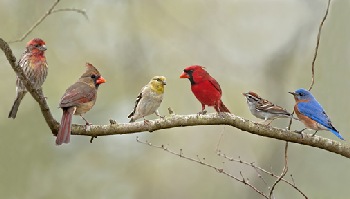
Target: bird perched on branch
{"x": 34, "y": 66}
{"x": 311, "y": 113}
{"x": 78, "y": 99}
{"x": 206, "y": 89}
{"x": 264, "y": 109}
{"x": 149, "y": 99}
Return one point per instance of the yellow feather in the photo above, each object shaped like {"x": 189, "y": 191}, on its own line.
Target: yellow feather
{"x": 157, "y": 84}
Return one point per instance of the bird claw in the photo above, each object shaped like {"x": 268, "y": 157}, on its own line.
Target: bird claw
{"x": 300, "y": 132}
{"x": 203, "y": 112}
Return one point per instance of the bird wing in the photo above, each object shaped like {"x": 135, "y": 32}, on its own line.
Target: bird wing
{"x": 78, "y": 93}
{"x": 215, "y": 84}
{"x": 314, "y": 110}
{"x": 138, "y": 98}
{"x": 265, "y": 105}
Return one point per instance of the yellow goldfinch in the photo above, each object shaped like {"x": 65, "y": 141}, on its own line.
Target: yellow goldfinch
{"x": 149, "y": 99}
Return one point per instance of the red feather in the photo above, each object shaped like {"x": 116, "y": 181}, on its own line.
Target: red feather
{"x": 206, "y": 89}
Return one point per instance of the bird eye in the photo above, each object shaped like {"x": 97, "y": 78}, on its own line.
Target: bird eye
{"x": 249, "y": 96}
{"x": 36, "y": 45}
{"x": 159, "y": 80}
{"x": 93, "y": 76}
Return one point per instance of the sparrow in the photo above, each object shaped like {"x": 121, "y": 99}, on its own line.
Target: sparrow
{"x": 264, "y": 109}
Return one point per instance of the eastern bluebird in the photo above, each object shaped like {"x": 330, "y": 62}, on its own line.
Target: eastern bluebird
{"x": 311, "y": 113}
{"x": 264, "y": 109}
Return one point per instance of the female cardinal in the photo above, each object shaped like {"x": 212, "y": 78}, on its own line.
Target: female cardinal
{"x": 34, "y": 66}
{"x": 206, "y": 89}
{"x": 78, "y": 99}
{"x": 149, "y": 99}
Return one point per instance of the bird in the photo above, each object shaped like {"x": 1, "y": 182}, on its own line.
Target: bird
{"x": 78, "y": 99}
{"x": 149, "y": 99}
{"x": 264, "y": 109}
{"x": 311, "y": 113}
{"x": 205, "y": 88}
{"x": 34, "y": 65}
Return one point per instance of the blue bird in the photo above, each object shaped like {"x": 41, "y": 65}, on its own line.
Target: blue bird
{"x": 311, "y": 113}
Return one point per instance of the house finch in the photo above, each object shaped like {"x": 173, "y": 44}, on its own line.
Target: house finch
{"x": 149, "y": 99}
{"x": 206, "y": 89}
{"x": 78, "y": 99}
{"x": 264, "y": 109}
{"x": 34, "y": 65}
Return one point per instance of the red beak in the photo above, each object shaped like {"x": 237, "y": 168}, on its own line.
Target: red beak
{"x": 100, "y": 80}
{"x": 184, "y": 75}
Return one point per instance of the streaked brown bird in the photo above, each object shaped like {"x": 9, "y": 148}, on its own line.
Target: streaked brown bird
{"x": 34, "y": 65}
{"x": 78, "y": 99}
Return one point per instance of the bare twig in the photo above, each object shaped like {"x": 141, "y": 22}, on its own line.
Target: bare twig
{"x": 202, "y": 162}
{"x": 284, "y": 171}
{"x": 257, "y": 168}
{"x": 81, "y": 11}
{"x": 317, "y": 45}
{"x": 48, "y": 12}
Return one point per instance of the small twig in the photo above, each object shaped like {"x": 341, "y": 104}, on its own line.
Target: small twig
{"x": 81, "y": 11}
{"x": 199, "y": 161}
{"x": 222, "y": 135}
{"x": 317, "y": 45}
{"x": 92, "y": 138}
{"x": 251, "y": 164}
{"x": 284, "y": 171}
{"x": 48, "y": 12}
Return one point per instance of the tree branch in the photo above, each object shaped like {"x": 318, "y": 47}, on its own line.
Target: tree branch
{"x": 214, "y": 119}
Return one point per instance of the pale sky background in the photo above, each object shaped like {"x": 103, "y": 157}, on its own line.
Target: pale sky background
{"x": 261, "y": 45}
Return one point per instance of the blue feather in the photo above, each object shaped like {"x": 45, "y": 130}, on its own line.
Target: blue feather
{"x": 314, "y": 111}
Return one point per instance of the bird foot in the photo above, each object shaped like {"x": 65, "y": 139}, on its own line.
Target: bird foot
{"x": 203, "y": 112}
{"x": 300, "y": 132}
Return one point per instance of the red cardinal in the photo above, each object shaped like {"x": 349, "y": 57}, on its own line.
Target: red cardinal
{"x": 78, "y": 99}
{"x": 206, "y": 89}
{"x": 33, "y": 63}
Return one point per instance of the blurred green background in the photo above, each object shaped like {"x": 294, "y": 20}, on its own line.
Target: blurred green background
{"x": 264, "y": 46}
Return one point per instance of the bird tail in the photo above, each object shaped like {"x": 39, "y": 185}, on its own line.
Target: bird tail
{"x": 221, "y": 107}
{"x": 14, "y": 109}
{"x": 63, "y": 135}
{"x": 336, "y": 132}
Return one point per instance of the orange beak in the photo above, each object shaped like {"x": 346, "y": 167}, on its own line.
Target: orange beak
{"x": 100, "y": 80}
{"x": 184, "y": 75}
